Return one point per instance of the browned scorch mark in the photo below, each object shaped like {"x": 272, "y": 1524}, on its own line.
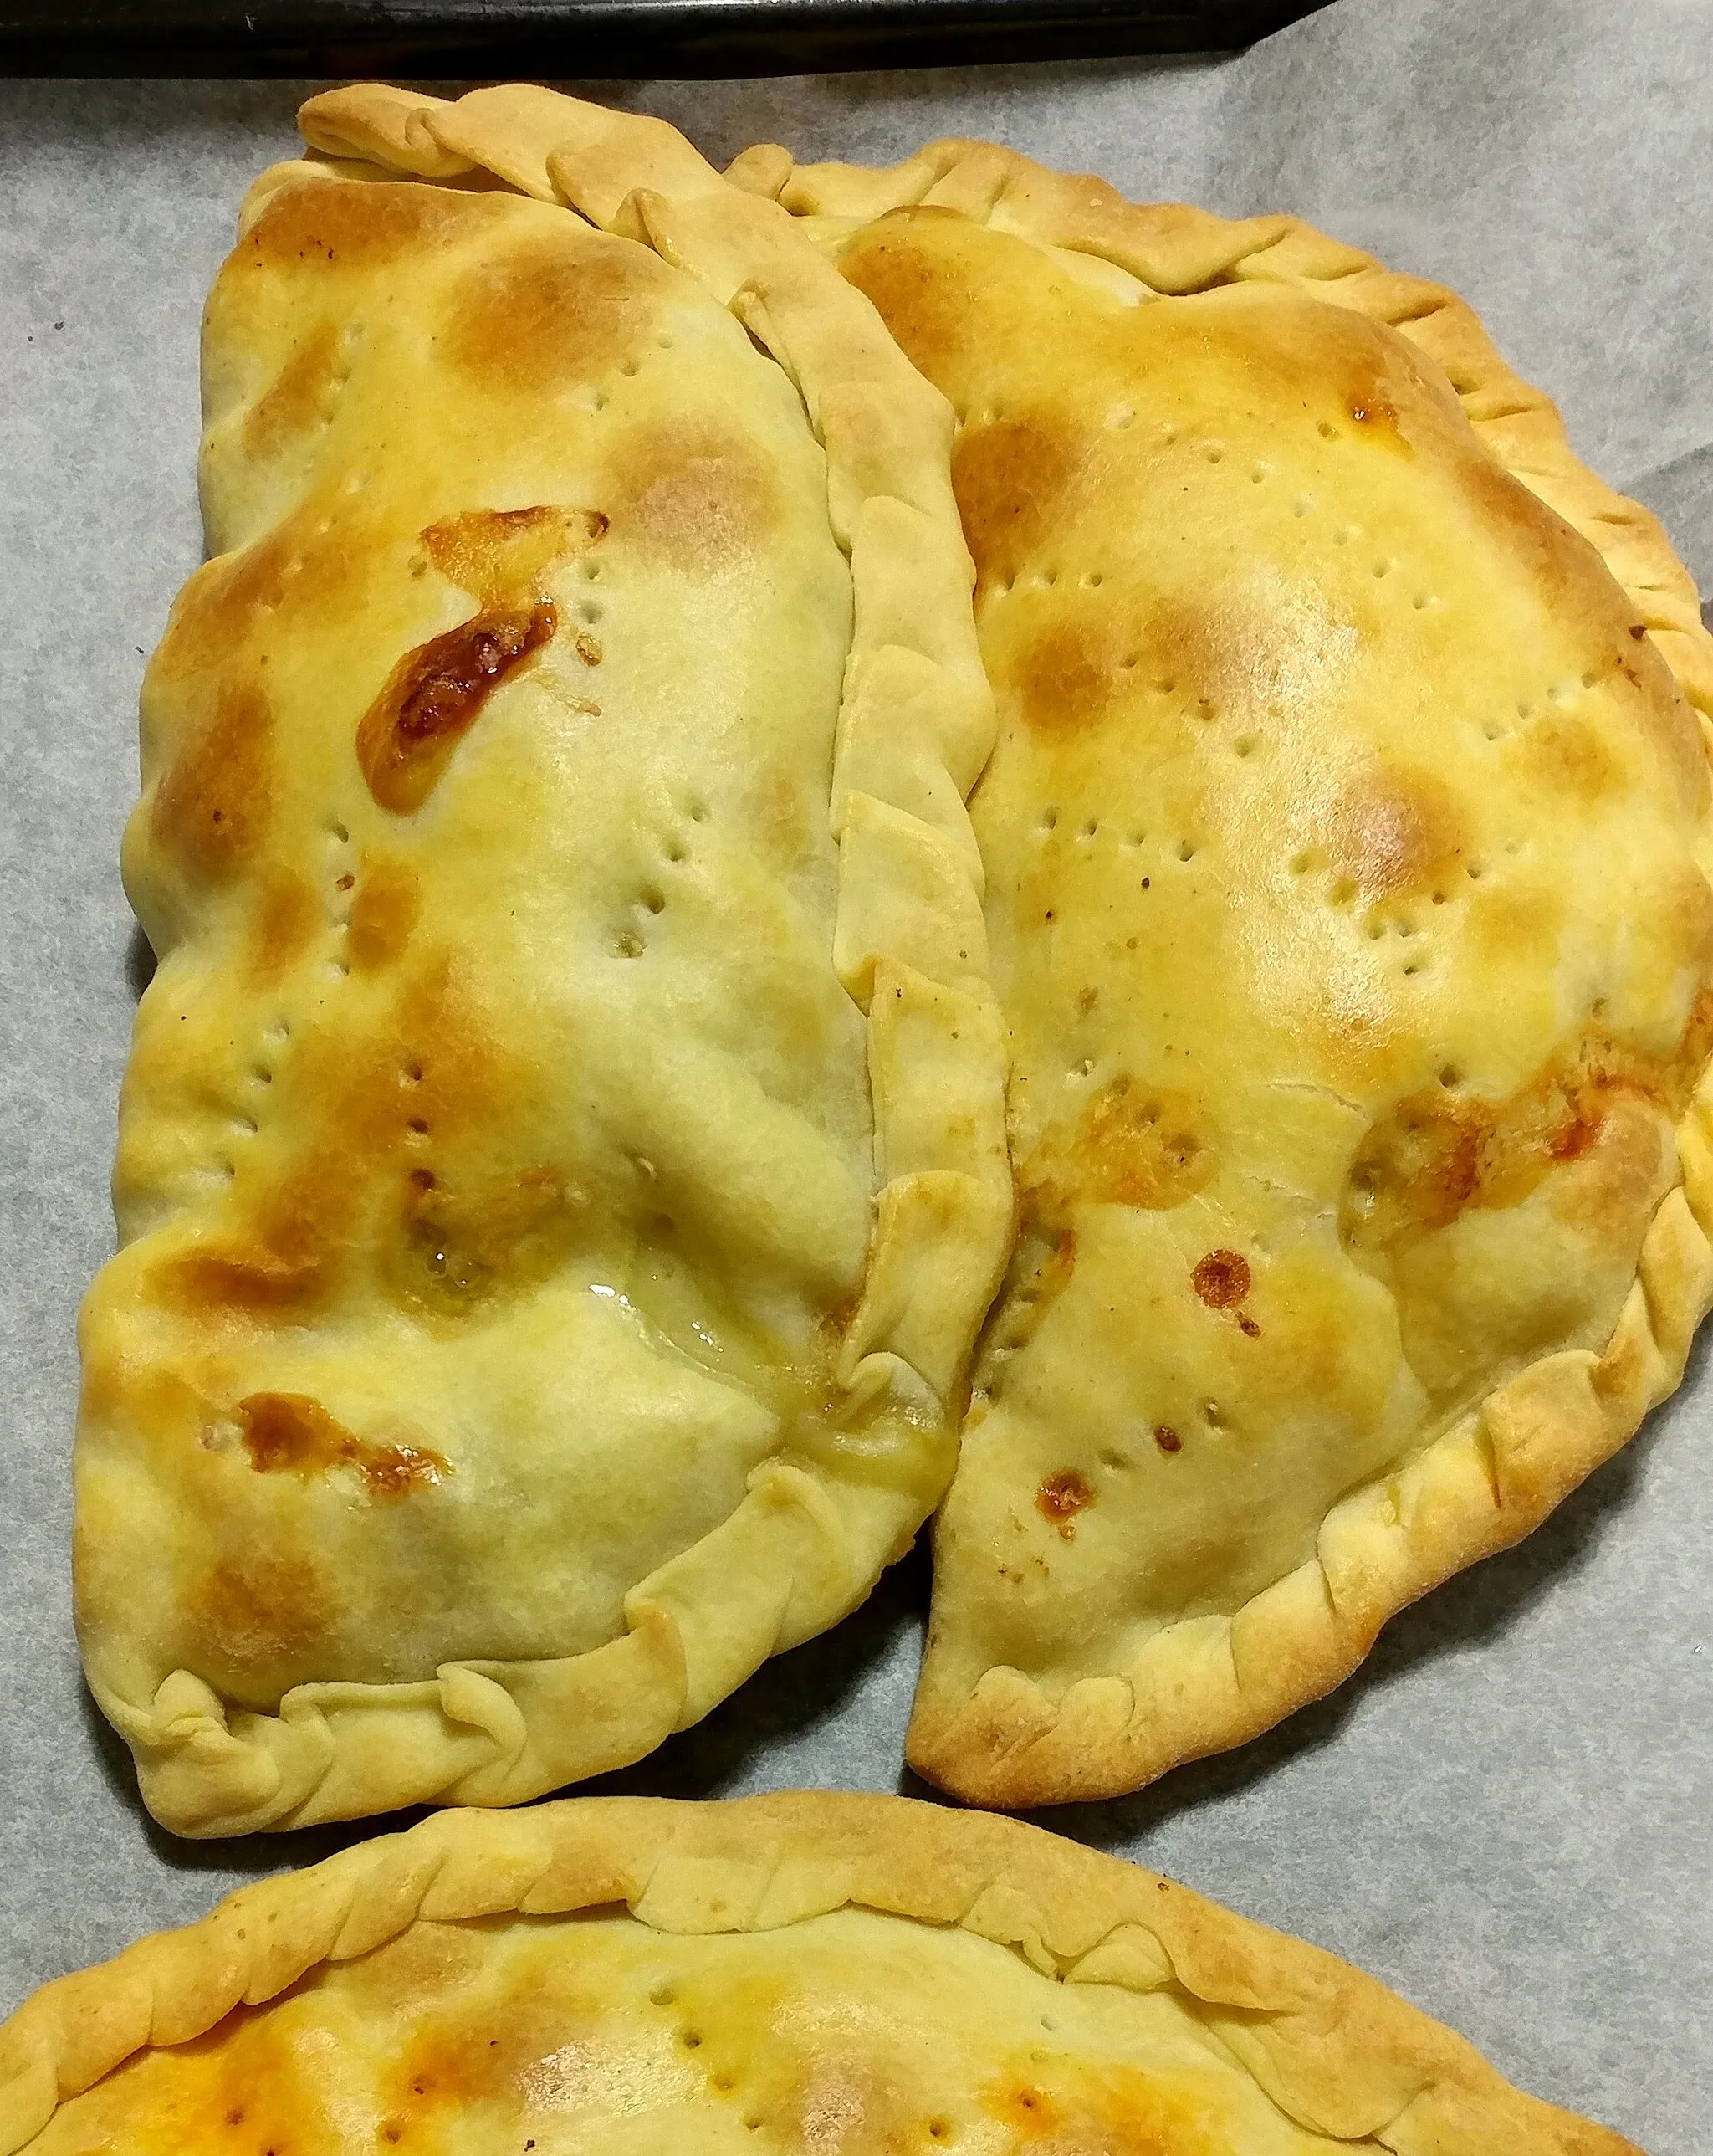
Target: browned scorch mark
{"x": 1222, "y": 1279}
{"x": 1437, "y": 1155}
{"x": 361, "y": 227}
{"x": 290, "y": 1434}
{"x": 432, "y": 696}
{"x": 1061, "y": 1497}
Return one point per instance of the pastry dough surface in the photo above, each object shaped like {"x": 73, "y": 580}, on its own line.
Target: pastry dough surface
{"x": 834, "y": 1975}
{"x": 1345, "y": 842}
{"x": 503, "y": 1357}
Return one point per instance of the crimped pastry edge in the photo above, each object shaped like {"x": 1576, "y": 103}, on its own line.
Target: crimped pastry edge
{"x": 1204, "y": 1685}
{"x": 1330, "y": 2046}
{"x": 805, "y": 1545}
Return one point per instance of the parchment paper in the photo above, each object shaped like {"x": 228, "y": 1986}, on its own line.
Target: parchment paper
{"x": 1506, "y": 1814}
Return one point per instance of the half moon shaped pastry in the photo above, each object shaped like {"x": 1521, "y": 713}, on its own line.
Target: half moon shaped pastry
{"x": 1345, "y": 844}
{"x": 562, "y": 1166}
{"x": 836, "y": 1973}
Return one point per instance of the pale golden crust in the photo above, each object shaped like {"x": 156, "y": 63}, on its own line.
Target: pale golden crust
{"x": 1175, "y": 247}
{"x": 1336, "y": 2055}
{"x": 288, "y": 1730}
{"x": 1492, "y": 1471}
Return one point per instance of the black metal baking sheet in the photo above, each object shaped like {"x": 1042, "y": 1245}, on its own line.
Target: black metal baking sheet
{"x": 603, "y": 39}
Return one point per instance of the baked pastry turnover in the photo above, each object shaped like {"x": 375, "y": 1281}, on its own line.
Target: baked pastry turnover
{"x": 562, "y": 1166}
{"x": 844, "y": 1975}
{"x": 1342, "y": 859}
{"x": 1344, "y": 843}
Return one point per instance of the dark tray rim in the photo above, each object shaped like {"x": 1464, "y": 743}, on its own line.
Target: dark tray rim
{"x": 603, "y": 39}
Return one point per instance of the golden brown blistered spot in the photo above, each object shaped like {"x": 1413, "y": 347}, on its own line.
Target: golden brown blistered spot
{"x": 1018, "y": 482}
{"x": 283, "y": 1272}
{"x": 255, "y": 1609}
{"x": 320, "y": 559}
{"x": 1394, "y": 832}
{"x": 256, "y": 1282}
{"x": 320, "y": 222}
{"x": 290, "y": 1434}
{"x": 304, "y": 1224}
{"x": 383, "y": 915}
{"x": 501, "y": 557}
{"x": 1222, "y": 1279}
{"x": 1061, "y": 1497}
{"x": 1245, "y": 647}
{"x": 1070, "y": 676}
{"x": 913, "y": 266}
{"x": 555, "y": 309}
{"x": 301, "y": 396}
{"x": 284, "y": 924}
{"x": 239, "y": 2089}
{"x": 488, "y": 2049}
{"x": 434, "y": 695}
{"x": 1357, "y": 384}
{"x": 1569, "y": 754}
{"x": 462, "y": 1246}
{"x": 1573, "y": 584}
{"x": 212, "y": 808}
{"x": 1437, "y": 1154}
{"x": 1145, "y": 1145}
{"x": 691, "y": 495}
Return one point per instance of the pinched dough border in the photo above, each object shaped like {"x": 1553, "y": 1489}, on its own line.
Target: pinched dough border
{"x": 1207, "y": 1683}
{"x": 1333, "y": 2048}
{"x": 916, "y": 726}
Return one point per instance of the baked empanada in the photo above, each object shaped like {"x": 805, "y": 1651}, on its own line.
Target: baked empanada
{"x": 1344, "y": 843}
{"x": 846, "y": 1975}
{"x": 562, "y": 1166}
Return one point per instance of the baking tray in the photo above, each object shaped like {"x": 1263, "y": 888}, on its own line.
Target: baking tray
{"x": 603, "y": 39}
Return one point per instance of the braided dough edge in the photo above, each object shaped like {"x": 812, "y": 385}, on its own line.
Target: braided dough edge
{"x": 1335, "y": 2050}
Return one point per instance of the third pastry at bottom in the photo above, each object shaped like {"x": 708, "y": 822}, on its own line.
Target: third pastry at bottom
{"x": 821, "y": 1973}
